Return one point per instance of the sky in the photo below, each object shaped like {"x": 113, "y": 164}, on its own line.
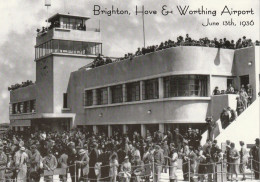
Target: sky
{"x": 120, "y": 33}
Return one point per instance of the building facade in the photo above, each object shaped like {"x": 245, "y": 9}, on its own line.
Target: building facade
{"x": 158, "y": 91}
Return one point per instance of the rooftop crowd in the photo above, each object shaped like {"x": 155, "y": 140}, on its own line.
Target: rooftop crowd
{"x": 23, "y": 84}
{"x": 187, "y": 41}
{"x": 121, "y": 157}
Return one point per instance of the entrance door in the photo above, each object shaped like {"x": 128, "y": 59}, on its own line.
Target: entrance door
{"x": 244, "y": 80}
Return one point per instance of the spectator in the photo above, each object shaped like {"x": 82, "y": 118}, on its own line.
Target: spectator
{"x": 230, "y": 89}
{"x": 250, "y": 94}
{"x": 244, "y": 97}
{"x": 243, "y": 160}
{"x": 234, "y": 162}
{"x": 240, "y": 106}
{"x": 254, "y": 153}
{"x": 216, "y": 91}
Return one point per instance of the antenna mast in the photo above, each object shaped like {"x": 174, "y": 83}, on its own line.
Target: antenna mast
{"x": 47, "y": 4}
{"x": 143, "y": 27}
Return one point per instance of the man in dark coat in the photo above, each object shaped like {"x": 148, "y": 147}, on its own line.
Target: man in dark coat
{"x": 255, "y": 153}
{"x": 104, "y": 159}
{"x": 178, "y": 139}
{"x": 93, "y": 159}
{"x": 72, "y": 158}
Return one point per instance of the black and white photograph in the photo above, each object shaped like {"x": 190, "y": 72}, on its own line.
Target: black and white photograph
{"x": 129, "y": 90}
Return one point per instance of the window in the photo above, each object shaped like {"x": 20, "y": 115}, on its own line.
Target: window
{"x": 25, "y": 107}
{"x": 65, "y": 23}
{"x": 117, "y": 94}
{"x": 88, "y": 98}
{"x": 65, "y": 100}
{"x": 77, "y": 47}
{"x": 55, "y": 45}
{"x": 151, "y": 89}
{"x": 63, "y": 45}
{"x": 185, "y": 85}
{"x": 71, "y": 47}
{"x": 102, "y": 96}
{"x": 32, "y": 106}
{"x": 133, "y": 91}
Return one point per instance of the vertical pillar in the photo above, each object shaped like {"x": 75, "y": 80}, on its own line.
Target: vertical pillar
{"x": 95, "y": 129}
{"x": 124, "y": 129}
{"x": 161, "y": 127}
{"x": 94, "y": 93}
{"x": 124, "y": 93}
{"x": 210, "y": 86}
{"x": 160, "y": 85}
{"x": 143, "y": 130}
{"x": 109, "y": 95}
{"x": 109, "y": 132}
{"x": 142, "y": 90}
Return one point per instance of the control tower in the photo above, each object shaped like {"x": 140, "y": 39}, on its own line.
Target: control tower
{"x": 66, "y": 45}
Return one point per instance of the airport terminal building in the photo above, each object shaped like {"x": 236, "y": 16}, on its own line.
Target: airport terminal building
{"x": 161, "y": 90}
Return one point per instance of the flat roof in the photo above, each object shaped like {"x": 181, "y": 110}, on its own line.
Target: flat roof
{"x": 67, "y": 15}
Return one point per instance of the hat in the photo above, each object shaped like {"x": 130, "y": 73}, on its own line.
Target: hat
{"x": 82, "y": 151}
{"x": 22, "y": 149}
{"x": 185, "y": 141}
{"x": 189, "y": 129}
{"x": 126, "y": 157}
{"x": 177, "y": 129}
{"x": 33, "y": 147}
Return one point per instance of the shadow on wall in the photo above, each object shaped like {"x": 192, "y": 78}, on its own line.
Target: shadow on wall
{"x": 217, "y": 58}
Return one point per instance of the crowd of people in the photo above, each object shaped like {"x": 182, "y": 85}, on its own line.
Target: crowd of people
{"x": 23, "y": 84}
{"x": 187, "y": 41}
{"x": 127, "y": 158}
{"x": 244, "y": 99}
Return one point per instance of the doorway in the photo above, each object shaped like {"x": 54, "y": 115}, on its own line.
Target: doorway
{"x": 244, "y": 80}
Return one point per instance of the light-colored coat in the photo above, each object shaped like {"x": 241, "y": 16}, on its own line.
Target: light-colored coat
{"x": 21, "y": 159}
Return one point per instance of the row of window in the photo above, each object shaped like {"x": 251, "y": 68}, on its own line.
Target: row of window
{"x": 70, "y": 47}
{"x": 72, "y": 23}
{"x": 174, "y": 86}
{"x": 22, "y": 107}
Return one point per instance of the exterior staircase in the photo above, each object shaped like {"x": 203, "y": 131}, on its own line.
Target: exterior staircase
{"x": 244, "y": 128}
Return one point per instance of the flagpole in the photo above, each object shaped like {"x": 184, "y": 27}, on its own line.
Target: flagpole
{"x": 143, "y": 27}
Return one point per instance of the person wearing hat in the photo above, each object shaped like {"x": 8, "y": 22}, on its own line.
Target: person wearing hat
{"x": 93, "y": 159}
{"x": 158, "y": 163}
{"x": 137, "y": 168}
{"x": 173, "y": 163}
{"x": 125, "y": 171}
{"x": 104, "y": 159}
{"x": 3, "y": 162}
{"x": 63, "y": 163}
{"x": 243, "y": 159}
{"x": 49, "y": 164}
{"x": 255, "y": 154}
{"x": 240, "y": 105}
{"x": 113, "y": 167}
{"x": 184, "y": 153}
{"x": 178, "y": 139}
{"x": 35, "y": 164}
{"x": 234, "y": 161}
{"x": 84, "y": 165}
{"x": 10, "y": 169}
{"x": 21, "y": 160}
{"x": 147, "y": 158}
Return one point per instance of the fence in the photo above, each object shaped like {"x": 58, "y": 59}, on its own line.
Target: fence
{"x": 218, "y": 172}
